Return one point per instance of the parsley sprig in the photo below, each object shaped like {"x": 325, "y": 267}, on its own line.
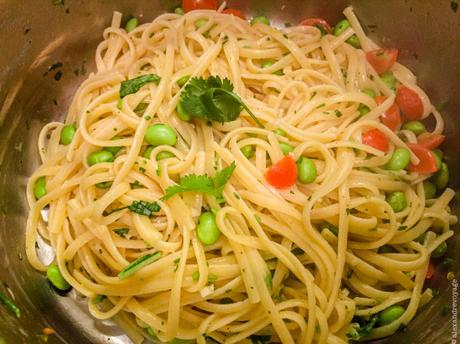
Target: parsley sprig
{"x": 213, "y": 99}
{"x": 203, "y": 183}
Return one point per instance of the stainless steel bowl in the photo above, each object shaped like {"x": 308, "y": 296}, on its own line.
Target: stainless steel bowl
{"x": 37, "y": 34}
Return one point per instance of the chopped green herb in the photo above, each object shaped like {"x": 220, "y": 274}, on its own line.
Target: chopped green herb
{"x": 297, "y": 251}
{"x": 402, "y": 228}
{"x": 144, "y": 208}
{"x": 138, "y": 264}
{"x": 338, "y": 113}
{"x": 140, "y": 108}
{"x": 10, "y": 305}
{"x": 196, "y": 276}
{"x": 176, "y": 264}
{"x": 98, "y": 299}
{"x": 269, "y": 280}
{"x": 363, "y": 328}
{"x": 203, "y": 183}
{"x": 136, "y": 185}
{"x": 258, "y": 219}
{"x": 121, "y": 231}
{"x": 213, "y": 99}
{"x": 212, "y": 278}
{"x": 104, "y": 185}
{"x": 133, "y": 85}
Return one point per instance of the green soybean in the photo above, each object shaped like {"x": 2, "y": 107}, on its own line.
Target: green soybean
{"x": 208, "y": 232}
{"x": 178, "y": 10}
{"x": 429, "y": 189}
{"x": 161, "y": 134}
{"x": 40, "y": 188}
{"x": 391, "y": 314}
{"x": 363, "y": 109}
{"x": 389, "y": 79}
{"x": 416, "y": 127}
{"x": 182, "y": 81}
{"x": 280, "y": 132}
{"x": 397, "y": 201}
{"x": 99, "y": 157}
{"x": 441, "y": 178}
{"x": 67, "y": 133}
{"x": 248, "y": 151}
{"x": 131, "y": 24}
{"x": 182, "y": 114}
{"x": 260, "y": 20}
{"x": 286, "y": 148}
{"x": 399, "y": 160}
{"x": 113, "y": 150}
{"x": 439, "y": 153}
{"x": 341, "y": 27}
{"x": 200, "y": 22}
{"x": 354, "y": 41}
{"x": 55, "y": 277}
{"x": 437, "y": 160}
{"x": 440, "y": 250}
{"x": 370, "y": 92}
{"x": 306, "y": 170}
{"x": 148, "y": 152}
{"x": 164, "y": 155}
{"x": 269, "y": 63}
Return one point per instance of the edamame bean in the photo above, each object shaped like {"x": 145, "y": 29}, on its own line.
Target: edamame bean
{"x": 439, "y": 153}
{"x": 164, "y": 155}
{"x": 131, "y": 24}
{"x": 113, "y": 150}
{"x": 429, "y": 189}
{"x": 161, "y": 134}
{"x": 399, "y": 160}
{"x": 370, "y": 92}
{"x": 55, "y": 277}
{"x": 389, "y": 79}
{"x": 280, "y": 132}
{"x": 440, "y": 250}
{"x": 306, "y": 170}
{"x": 182, "y": 81}
{"x": 248, "y": 151}
{"x": 286, "y": 148}
{"x": 100, "y": 156}
{"x": 67, "y": 133}
{"x": 341, "y": 27}
{"x": 208, "y": 232}
{"x": 441, "y": 178}
{"x": 391, "y": 314}
{"x": 363, "y": 109}
{"x": 40, "y": 187}
{"x": 148, "y": 152}
{"x": 178, "y": 10}
{"x": 182, "y": 114}
{"x": 269, "y": 63}
{"x": 416, "y": 127}
{"x": 200, "y": 22}
{"x": 260, "y": 20}
{"x": 397, "y": 201}
{"x": 437, "y": 160}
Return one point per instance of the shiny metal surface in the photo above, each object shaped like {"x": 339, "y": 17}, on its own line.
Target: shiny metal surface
{"x": 35, "y": 34}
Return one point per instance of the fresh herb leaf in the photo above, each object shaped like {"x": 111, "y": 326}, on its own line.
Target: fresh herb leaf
{"x": 98, "y": 299}
{"x": 363, "y": 328}
{"x": 338, "y": 113}
{"x": 140, "y": 109}
{"x": 212, "y": 278}
{"x": 136, "y": 185}
{"x": 133, "y": 85}
{"x": 196, "y": 276}
{"x": 10, "y": 305}
{"x": 203, "y": 183}
{"x": 331, "y": 227}
{"x": 121, "y": 231}
{"x": 145, "y": 208}
{"x": 138, "y": 264}
{"x": 176, "y": 264}
{"x": 104, "y": 185}
{"x": 213, "y": 99}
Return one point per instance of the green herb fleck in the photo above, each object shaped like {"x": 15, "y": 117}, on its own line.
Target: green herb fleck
{"x": 133, "y": 85}
{"x": 138, "y": 264}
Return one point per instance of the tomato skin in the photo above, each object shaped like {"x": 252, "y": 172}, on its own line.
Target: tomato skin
{"x": 190, "y": 5}
{"x": 382, "y": 59}
{"x": 235, "y": 12}
{"x": 392, "y": 117}
{"x": 427, "y": 159}
{"x": 315, "y": 22}
{"x": 283, "y": 174}
{"x": 409, "y": 103}
{"x": 375, "y": 138}
{"x": 431, "y": 270}
{"x": 430, "y": 141}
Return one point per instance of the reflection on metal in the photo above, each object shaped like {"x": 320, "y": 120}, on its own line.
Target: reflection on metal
{"x": 40, "y": 34}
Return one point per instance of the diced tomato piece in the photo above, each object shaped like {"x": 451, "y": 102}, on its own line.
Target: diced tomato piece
{"x": 409, "y": 103}
{"x": 190, "y": 5}
{"x": 392, "y": 117}
{"x": 430, "y": 141}
{"x": 317, "y": 22}
{"x": 375, "y": 138}
{"x": 283, "y": 174}
{"x": 430, "y": 271}
{"x": 427, "y": 159}
{"x": 235, "y": 12}
{"x": 382, "y": 59}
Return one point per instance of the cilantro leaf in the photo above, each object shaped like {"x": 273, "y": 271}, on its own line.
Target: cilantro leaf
{"x": 121, "y": 231}
{"x": 133, "y": 85}
{"x": 144, "y": 208}
{"x": 203, "y": 183}
{"x": 213, "y": 99}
